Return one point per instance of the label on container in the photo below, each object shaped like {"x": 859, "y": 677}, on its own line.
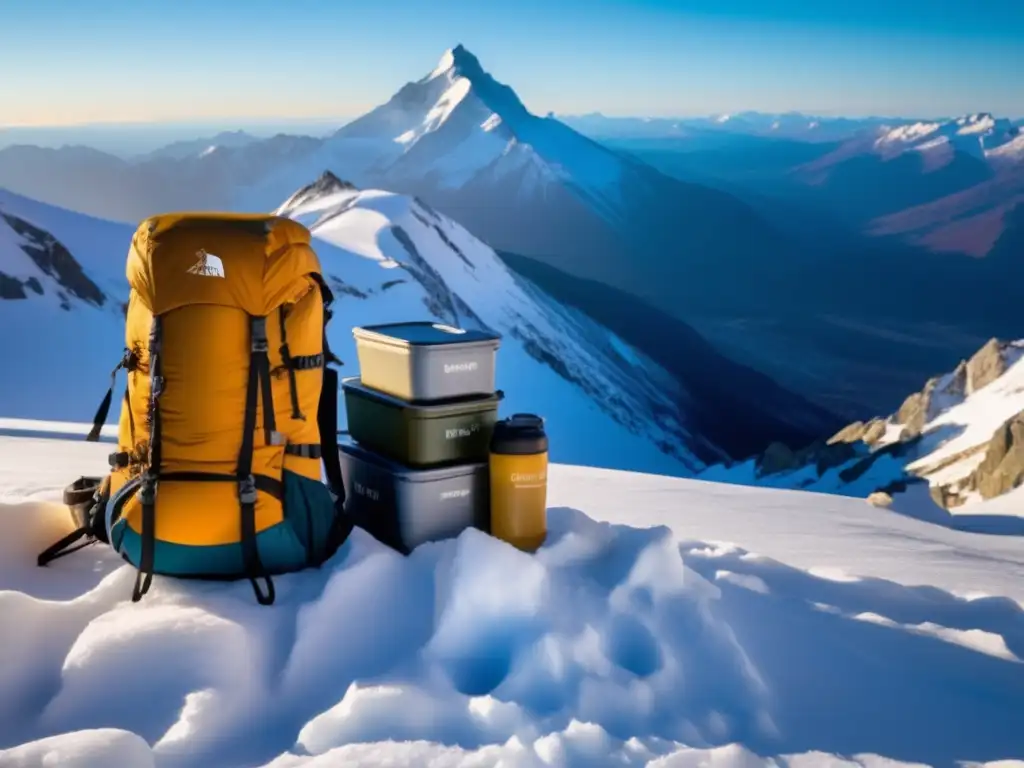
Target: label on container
{"x": 369, "y": 493}
{"x": 461, "y": 493}
{"x": 456, "y": 432}
{"x": 528, "y": 479}
{"x": 466, "y": 367}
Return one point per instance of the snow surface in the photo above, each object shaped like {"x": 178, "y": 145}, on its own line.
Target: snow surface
{"x": 666, "y": 622}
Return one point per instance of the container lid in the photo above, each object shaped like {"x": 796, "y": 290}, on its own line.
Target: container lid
{"x": 404, "y": 473}
{"x": 423, "y": 333}
{"x": 519, "y": 435}
{"x": 432, "y": 410}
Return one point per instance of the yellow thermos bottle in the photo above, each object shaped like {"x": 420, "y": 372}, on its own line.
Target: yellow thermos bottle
{"x": 519, "y": 481}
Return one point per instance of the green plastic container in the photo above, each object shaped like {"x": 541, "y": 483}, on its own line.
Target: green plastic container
{"x": 420, "y": 436}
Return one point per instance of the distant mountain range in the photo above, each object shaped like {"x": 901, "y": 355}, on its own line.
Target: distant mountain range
{"x": 789, "y": 264}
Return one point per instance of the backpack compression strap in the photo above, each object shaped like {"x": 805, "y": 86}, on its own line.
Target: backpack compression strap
{"x": 259, "y": 378}
{"x": 128, "y": 362}
{"x": 327, "y": 421}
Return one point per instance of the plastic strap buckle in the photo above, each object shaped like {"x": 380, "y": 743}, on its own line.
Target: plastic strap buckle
{"x": 259, "y": 334}
{"x": 247, "y": 490}
{"x": 147, "y": 494}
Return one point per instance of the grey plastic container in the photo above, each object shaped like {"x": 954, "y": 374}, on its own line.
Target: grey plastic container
{"x": 426, "y": 361}
{"x": 404, "y": 507}
{"x": 420, "y": 435}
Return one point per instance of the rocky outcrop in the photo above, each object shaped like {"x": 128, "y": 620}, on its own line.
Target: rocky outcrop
{"x": 777, "y": 458}
{"x": 53, "y": 259}
{"x": 865, "y": 432}
{"x": 780, "y": 458}
{"x": 987, "y": 365}
{"x": 1002, "y": 469}
{"x": 938, "y": 394}
{"x": 11, "y": 288}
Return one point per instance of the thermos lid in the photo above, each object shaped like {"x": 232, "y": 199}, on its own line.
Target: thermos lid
{"x": 520, "y": 434}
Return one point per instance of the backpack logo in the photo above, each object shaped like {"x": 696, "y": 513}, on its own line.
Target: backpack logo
{"x": 207, "y": 266}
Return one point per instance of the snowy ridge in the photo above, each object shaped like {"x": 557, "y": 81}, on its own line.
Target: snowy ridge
{"x": 396, "y": 254}
{"x": 978, "y": 134}
{"x": 927, "y": 458}
{"x": 660, "y": 645}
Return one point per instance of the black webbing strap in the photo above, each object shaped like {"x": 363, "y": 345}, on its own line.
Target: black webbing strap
{"x": 328, "y": 423}
{"x": 131, "y": 416}
{"x": 147, "y": 493}
{"x": 263, "y": 483}
{"x": 288, "y": 362}
{"x": 259, "y": 374}
{"x": 260, "y": 360}
{"x": 127, "y": 362}
{"x": 304, "y": 450}
{"x": 63, "y": 547}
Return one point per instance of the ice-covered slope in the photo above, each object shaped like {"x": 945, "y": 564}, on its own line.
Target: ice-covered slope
{"x": 950, "y": 448}
{"x": 61, "y": 323}
{"x": 744, "y": 627}
{"x": 390, "y": 257}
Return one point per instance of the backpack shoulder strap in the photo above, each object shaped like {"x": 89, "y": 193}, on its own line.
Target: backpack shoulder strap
{"x": 327, "y": 421}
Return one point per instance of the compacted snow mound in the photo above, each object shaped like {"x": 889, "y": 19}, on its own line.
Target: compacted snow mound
{"x": 613, "y": 645}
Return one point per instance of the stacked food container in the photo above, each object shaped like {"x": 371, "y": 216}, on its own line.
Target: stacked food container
{"x": 420, "y": 418}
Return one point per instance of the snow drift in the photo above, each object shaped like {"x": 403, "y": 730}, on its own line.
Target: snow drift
{"x": 805, "y": 639}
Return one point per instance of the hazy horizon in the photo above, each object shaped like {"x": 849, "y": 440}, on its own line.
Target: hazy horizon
{"x": 208, "y": 62}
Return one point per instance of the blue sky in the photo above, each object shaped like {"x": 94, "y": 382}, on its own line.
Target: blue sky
{"x": 62, "y": 62}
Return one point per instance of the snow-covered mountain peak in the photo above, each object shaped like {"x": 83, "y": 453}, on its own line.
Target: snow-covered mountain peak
{"x": 327, "y": 191}
{"x": 457, "y": 124}
{"x": 976, "y": 134}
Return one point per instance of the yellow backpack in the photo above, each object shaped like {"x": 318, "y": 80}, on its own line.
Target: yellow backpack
{"x": 229, "y": 408}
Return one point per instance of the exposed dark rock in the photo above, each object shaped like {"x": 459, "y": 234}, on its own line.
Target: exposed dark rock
{"x": 827, "y": 456}
{"x": 1002, "y": 469}
{"x": 11, "y": 288}
{"x": 34, "y": 285}
{"x": 778, "y": 457}
{"x": 913, "y": 414}
{"x": 875, "y": 431}
{"x": 327, "y": 184}
{"x": 866, "y": 432}
{"x": 56, "y": 261}
{"x": 851, "y": 433}
{"x": 339, "y": 286}
{"x": 987, "y": 365}
{"x": 458, "y": 251}
{"x": 391, "y": 284}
